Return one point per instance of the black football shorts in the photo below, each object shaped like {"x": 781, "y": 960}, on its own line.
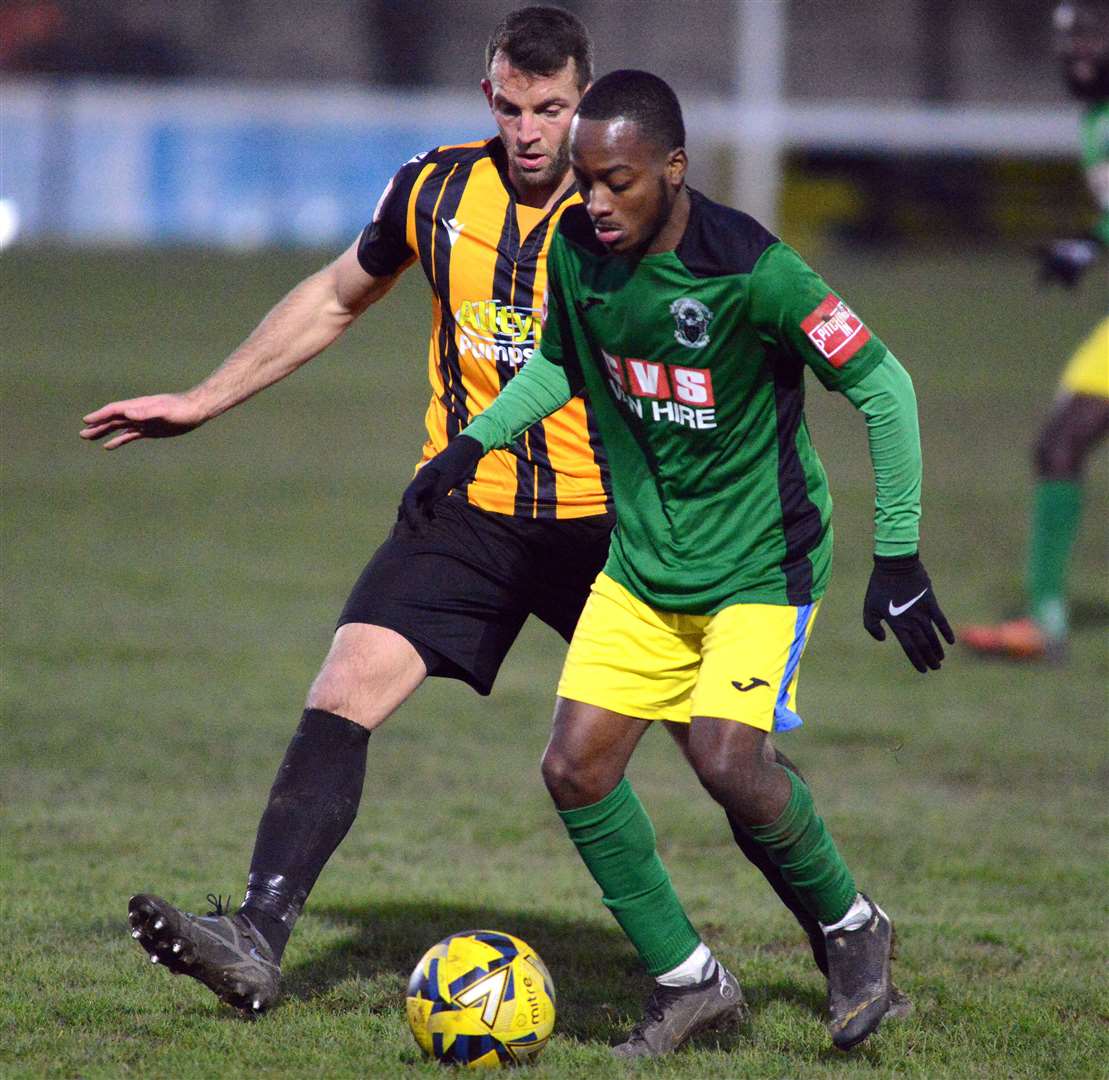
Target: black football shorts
{"x": 461, "y": 590}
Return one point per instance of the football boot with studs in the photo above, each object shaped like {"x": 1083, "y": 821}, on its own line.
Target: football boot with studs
{"x": 224, "y": 952}
{"x": 860, "y": 991}
{"x": 674, "y": 1014}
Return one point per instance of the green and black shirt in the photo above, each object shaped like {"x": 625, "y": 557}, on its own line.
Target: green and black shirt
{"x": 693, "y": 361}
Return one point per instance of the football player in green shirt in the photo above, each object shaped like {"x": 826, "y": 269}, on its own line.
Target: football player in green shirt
{"x": 1079, "y": 420}
{"x": 690, "y": 327}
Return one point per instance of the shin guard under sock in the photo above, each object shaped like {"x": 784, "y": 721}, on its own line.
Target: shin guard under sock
{"x": 616, "y": 840}
{"x": 800, "y": 846}
{"x": 312, "y": 804}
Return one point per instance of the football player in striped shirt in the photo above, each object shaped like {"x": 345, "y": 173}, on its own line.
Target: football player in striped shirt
{"x": 526, "y": 535}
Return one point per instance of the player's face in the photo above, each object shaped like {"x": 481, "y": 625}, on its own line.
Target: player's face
{"x": 629, "y": 184}
{"x": 533, "y": 114}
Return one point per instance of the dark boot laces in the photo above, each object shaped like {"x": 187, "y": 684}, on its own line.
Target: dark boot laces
{"x": 219, "y": 905}
{"x": 655, "y": 1008}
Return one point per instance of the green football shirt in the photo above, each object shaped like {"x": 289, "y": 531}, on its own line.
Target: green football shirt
{"x": 694, "y": 364}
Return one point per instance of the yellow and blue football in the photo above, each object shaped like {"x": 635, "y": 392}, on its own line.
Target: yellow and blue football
{"x": 481, "y": 999}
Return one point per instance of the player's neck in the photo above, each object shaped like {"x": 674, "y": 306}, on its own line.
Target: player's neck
{"x": 670, "y": 235}
{"x": 543, "y": 198}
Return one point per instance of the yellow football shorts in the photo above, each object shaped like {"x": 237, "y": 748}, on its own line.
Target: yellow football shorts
{"x": 1088, "y": 370}
{"x": 739, "y": 664}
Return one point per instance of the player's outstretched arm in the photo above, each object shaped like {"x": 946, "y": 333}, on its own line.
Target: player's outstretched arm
{"x": 301, "y": 326}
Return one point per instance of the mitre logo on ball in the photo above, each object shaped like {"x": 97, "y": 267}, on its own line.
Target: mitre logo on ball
{"x": 481, "y": 999}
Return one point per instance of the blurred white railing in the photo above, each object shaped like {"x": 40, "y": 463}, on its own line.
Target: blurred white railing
{"x": 103, "y": 161}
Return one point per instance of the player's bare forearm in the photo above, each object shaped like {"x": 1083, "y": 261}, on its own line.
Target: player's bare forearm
{"x": 312, "y": 316}
{"x": 309, "y": 319}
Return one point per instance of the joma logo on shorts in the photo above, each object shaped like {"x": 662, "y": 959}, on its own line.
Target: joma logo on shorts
{"x": 749, "y": 686}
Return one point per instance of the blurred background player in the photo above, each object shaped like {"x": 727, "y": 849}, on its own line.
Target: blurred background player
{"x": 529, "y": 535}
{"x": 1079, "y": 419}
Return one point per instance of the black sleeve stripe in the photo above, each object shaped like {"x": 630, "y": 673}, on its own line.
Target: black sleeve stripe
{"x": 535, "y": 477}
{"x": 383, "y": 246}
{"x": 801, "y": 523}
{"x": 380, "y": 254}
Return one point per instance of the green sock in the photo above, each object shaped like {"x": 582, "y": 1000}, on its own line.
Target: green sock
{"x": 799, "y": 845}
{"x": 616, "y": 840}
{"x": 1055, "y": 513}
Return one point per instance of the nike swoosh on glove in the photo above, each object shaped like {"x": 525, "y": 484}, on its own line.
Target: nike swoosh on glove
{"x": 442, "y": 474}
{"x": 901, "y": 595}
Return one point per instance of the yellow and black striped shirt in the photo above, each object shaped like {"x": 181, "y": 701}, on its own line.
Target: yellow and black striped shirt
{"x": 485, "y": 257}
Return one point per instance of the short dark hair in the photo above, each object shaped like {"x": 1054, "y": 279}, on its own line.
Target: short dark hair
{"x": 539, "y": 40}
{"x": 628, "y": 94}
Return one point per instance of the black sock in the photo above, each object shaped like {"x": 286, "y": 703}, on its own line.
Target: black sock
{"x": 312, "y": 804}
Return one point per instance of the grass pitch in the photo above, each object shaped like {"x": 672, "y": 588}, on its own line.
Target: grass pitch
{"x": 167, "y": 605}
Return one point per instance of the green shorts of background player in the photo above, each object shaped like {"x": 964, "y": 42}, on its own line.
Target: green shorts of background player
{"x": 690, "y": 328}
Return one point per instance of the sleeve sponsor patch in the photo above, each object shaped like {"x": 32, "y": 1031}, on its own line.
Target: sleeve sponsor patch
{"x": 836, "y": 331}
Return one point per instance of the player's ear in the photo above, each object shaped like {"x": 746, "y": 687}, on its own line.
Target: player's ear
{"x": 487, "y": 90}
{"x": 676, "y": 164}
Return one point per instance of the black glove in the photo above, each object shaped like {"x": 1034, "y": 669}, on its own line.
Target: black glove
{"x": 1065, "y": 261}
{"x": 444, "y": 472}
{"x": 901, "y": 594}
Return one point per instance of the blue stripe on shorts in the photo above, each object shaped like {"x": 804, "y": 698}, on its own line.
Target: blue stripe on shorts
{"x": 785, "y": 719}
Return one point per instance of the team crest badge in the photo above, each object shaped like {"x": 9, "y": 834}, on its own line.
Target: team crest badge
{"x": 692, "y": 319}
